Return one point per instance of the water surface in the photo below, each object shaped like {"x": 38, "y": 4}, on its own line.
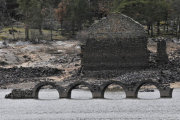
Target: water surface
{"x": 115, "y": 107}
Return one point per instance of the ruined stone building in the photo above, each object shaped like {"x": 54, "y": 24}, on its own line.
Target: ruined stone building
{"x": 115, "y": 43}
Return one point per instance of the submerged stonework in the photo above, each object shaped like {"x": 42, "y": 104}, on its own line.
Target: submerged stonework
{"x": 97, "y": 90}
{"x": 115, "y": 43}
{"x": 20, "y": 94}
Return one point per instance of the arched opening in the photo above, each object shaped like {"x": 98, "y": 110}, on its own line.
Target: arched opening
{"x": 148, "y": 91}
{"x": 48, "y": 92}
{"x": 176, "y": 90}
{"x": 113, "y": 91}
{"x": 175, "y": 93}
{"x": 80, "y": 91}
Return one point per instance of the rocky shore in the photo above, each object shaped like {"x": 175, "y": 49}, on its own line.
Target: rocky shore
{"x": 17, "y": 75}
{"x": 23, "y": 64}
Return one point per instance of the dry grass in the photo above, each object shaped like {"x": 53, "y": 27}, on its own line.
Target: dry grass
{"x": 21, "y": 34}
{"x": 171, "y": 46}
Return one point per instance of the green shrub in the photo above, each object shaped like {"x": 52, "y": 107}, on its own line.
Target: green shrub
{"x": 1, "y": 27}
{"x": 82, "y": 36}
{"x": 34, "y": 35}
{"x": 3, "y": 38}
{"x": 47, "y": 25}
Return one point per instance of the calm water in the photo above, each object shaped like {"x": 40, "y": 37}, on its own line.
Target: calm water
{"x": 115, "y": 107}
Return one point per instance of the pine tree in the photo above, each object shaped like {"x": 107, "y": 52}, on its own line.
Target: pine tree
{"x": 25, "y": 9}
{"x": 78, "y": 12}
{"x": 3, "y": 5}
{"x": 2, "y": 13}
{"x": 60, "y": 13}
{"x": 141, "y": 10}
{"x": 12, "y": 6}
{"x": 176, "y": 13}
{"x": 49, "y": 14}
{"x": 37, "y": 17}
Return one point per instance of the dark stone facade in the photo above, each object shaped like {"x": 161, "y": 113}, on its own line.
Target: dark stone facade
{"x": 162, "y": 57}
{"x": 115, "y": 43}
{"x": 20, "y": 94}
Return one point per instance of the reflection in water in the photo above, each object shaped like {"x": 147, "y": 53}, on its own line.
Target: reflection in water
{"x": 81, "y": 94}
{"x": 48, "y": 94}
{"x": 118, "y": 94}
{"x": 91, "y": 109}
{"x": 149, "y": 95}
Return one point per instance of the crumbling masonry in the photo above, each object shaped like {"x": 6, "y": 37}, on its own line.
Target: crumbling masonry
{"x": 115, "y": 44}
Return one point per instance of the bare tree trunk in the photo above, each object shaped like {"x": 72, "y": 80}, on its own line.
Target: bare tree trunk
{"x": 13, "y": 32}
{"x": 27, "y": 32}
{"x": 176, "y": 30}
{"x": 167, "y": 28}
{"x": 167, "y": 21}
{"x": 148, "y": 27}
{"x": 73, "y": 27}
{"x": 152, "y": 30}
{"x": 51, "y": 32}
{"x": 40, "y": 31}
{"x": 80, "y": 26}
{"x": 10, "y": 22}
{"x": 179, "y": 26}
{"x": 177, "y": 23}
{"x": 61, "y": 28}
{"x": 158, "y": 30}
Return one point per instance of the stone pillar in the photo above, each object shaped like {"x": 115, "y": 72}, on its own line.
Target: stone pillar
{"x": 162, "y": 57}
{"x": 21, "y": 94}
{"x": 96, "y": 91}
{"x": 131, "y": 94}
{"x": 65, "y": 95}
{"x": 97, "y": 95}
{"x": 166, "y": 93}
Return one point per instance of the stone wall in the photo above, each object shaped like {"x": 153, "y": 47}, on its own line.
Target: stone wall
{"x": 115, "y": 43}
{"x": 19, "y": 94}
{"x": 26, "y": 74}
{"x": 162, "y": 57}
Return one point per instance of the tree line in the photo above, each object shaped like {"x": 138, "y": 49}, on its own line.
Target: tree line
{"x": 74, "y": 15}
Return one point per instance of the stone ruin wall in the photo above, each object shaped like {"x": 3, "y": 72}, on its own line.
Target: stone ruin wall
{"x": 162, "y": 57}
{"x": 20, "y": 93}
{"x": 114, "y": 56}
{"x": 115, "y": 43}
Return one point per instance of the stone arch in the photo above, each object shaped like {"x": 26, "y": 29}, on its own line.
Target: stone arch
{"x": 41, "y": 84}
{"x": 106, "y": 84}
{"x": 139, "y": 84}
{"x": 75, "y": 84}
